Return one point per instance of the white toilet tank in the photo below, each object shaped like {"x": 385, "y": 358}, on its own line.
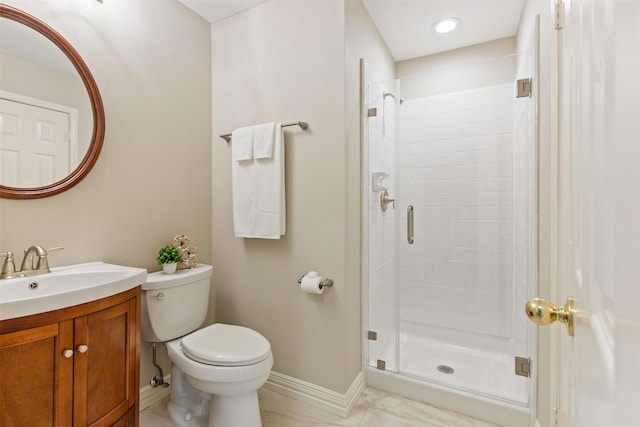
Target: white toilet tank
{"x": 176, "y": 304}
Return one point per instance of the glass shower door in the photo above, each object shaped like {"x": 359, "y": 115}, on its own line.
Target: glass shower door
{"x": 466, "y": 170}
{"x": 446, "y": 302}
{"x": 380, "y": 176}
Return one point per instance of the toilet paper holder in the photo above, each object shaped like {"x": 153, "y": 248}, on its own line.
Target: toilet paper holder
{"x": 325, "y": 283}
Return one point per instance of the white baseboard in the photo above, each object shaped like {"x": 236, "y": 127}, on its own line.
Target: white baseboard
{"x": 149, "y": 396}
{"x": 320, "y": 397}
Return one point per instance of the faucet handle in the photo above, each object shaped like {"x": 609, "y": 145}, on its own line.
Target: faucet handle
{"x": 8, "y": 268}
{"x": 43, "y": 261}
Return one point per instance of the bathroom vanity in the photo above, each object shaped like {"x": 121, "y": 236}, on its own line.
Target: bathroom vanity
{"x": 73, "y": 366}
{"x": 70, "y": 347}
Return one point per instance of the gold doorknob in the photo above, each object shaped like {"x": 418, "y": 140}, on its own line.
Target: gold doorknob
{"x": 542, "y": 312}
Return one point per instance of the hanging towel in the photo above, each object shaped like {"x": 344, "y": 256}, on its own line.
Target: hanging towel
{"x": 263, "y": 140}
{"x": 242, "y": 144}
{"x": 258, "y": 193}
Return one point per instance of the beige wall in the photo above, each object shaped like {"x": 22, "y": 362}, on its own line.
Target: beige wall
{"x": 151, "y": 61}
{"x": 284, "y": 61}
{"x": 288, "y": 61}
{"x": 485, "y": 64}
{"x": 363, "y": 40}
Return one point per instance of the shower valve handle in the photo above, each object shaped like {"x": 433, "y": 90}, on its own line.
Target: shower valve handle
{"x": 385, "y": 200}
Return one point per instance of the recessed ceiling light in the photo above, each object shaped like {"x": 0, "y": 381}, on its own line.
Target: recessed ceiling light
{"x": 446, "y": 25}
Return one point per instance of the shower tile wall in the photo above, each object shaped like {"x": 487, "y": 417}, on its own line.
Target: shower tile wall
{"x": 382, "y": 263}
{"x": 456, "y": 161}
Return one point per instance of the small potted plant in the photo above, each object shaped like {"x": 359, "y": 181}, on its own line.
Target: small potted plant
{"x": 168, "y": 258}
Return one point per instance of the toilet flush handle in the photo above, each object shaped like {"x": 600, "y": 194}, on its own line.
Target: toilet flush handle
{"x": 159, "y": 296}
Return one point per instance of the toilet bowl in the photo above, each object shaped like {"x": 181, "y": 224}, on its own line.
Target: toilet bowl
{"x": 217, "y": 370}
{"x": 233, "y": 389}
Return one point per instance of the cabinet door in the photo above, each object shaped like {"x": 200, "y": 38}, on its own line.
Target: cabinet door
{"x": 36, "y": 380}
{"x": 105, "y": 385}
{"x": 128, "y": 419}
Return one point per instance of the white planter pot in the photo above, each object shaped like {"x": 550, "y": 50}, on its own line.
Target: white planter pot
{"x": 169, "y": 268}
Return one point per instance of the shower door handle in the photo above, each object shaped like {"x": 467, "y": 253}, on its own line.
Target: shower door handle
{"x": 410, "y": 224}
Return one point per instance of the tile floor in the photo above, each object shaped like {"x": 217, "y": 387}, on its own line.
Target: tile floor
{"x": 375, "y": 408}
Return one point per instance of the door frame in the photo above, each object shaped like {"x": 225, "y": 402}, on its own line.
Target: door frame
{"x": 548, "y": 352}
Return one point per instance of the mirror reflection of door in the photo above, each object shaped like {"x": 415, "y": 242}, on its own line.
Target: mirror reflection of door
{"x": 36, "y": 72}
{"x": 37, "y": 141}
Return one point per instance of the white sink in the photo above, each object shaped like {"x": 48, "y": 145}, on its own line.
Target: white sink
{"x": 65, "y": 286}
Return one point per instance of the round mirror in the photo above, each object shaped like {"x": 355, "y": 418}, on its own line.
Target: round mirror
{"x": 51, "y": 115}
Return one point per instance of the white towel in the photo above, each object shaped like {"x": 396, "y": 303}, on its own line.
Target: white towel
{"x": 242, "y": 144}
{"x": 258, "y": 194}
{"x": 263, "y": 140}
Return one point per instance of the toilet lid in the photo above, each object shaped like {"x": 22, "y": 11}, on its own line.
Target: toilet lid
{"x": 226, "y": 345}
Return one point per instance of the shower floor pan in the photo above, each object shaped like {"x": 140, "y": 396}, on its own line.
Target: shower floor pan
{"x": 488, "y": 373}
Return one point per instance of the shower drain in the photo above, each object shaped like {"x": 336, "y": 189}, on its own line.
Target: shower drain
{"x": 445, "y": 369}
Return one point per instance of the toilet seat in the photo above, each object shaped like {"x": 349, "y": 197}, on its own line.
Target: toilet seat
{"x": 226, "y": 345}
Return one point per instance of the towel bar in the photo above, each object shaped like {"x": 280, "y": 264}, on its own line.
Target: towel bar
{"x": 303, "y": 126}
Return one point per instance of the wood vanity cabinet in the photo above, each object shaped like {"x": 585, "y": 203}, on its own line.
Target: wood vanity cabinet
{"x": 77, "y": 366}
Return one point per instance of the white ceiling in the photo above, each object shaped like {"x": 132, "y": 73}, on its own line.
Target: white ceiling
{"x": 405, "y": 25}
{"x": 217, "y": 10}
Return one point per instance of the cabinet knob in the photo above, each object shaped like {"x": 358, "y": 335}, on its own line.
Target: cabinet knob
{"x": 67, "y": 353}
{"x": 83, "y": 348}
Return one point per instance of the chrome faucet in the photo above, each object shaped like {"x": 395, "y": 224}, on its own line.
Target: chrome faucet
{"x": 34, "y": 262}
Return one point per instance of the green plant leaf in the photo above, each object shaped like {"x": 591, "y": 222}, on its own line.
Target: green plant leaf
{"x": 168, "y": 255}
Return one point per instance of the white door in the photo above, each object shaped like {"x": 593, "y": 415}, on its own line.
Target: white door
{"x": 34, "y": 144}
{"x": 599, "y": 217}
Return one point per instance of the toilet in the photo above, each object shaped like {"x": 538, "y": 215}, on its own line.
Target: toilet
{"x": 217, "y": 370}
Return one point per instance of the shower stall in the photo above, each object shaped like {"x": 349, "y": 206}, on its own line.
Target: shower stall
{"x": 450, "y": 168}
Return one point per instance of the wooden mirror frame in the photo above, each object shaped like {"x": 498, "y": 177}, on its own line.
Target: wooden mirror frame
{"x": 97, "y": 137}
